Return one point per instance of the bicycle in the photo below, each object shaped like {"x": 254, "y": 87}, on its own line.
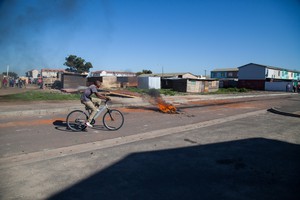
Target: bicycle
{"x": 113, "y": 119}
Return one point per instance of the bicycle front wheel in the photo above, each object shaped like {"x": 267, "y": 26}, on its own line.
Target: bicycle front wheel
{"x": 113, "y": 119}
{"x": 76, "y": 120}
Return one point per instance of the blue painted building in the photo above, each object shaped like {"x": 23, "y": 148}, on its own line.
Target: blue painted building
{"x": 264, "y": 77}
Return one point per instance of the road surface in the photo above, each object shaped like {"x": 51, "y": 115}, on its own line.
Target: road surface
{"x": 225, "y": 149}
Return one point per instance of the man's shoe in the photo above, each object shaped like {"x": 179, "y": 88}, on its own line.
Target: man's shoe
{"x": 88, "y": 124}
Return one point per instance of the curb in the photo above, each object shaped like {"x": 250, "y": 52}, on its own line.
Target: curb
{"x": 21, "y": 113}
{"x": 53, "y": 111}
{"x": 276, "y": 111}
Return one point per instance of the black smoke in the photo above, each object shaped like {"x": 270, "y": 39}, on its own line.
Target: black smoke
{"x": 25, "y": 26}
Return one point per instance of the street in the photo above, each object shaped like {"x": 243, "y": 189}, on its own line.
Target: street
{"x": 219, "y": 149}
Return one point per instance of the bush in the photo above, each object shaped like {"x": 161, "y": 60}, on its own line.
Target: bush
{"x": 40, "y": 95}
{"x": 151, "y": 92}
{"x": 168, "y": 92}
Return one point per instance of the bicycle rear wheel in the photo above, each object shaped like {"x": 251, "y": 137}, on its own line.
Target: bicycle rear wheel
{"x": 113, "y": 119}
{"x": 76, "y": 120}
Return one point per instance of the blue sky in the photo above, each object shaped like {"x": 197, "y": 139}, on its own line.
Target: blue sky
{"x": 194, "y": 36}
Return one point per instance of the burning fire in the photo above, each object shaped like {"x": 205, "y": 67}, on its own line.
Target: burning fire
{"x": 166, "y": 107}
{"x": 157, "y": 100}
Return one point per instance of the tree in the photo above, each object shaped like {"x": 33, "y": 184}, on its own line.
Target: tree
{"x": 77, "y": 64}
{"x": 145, "y": 71}
{"x": 11, "y": 74}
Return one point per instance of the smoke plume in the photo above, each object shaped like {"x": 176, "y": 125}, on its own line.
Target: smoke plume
{"x": 30, "y": 30}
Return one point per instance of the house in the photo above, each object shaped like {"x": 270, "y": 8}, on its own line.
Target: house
{"x": 149, "y": 82}
{"x": 33, "y": 74}
{"x": 51, "y": 76}
{"x": 225, "y": 73}
{"x": 106, "y": 81}
{"x": 228, "y": 77}
{"x": 131, "y": 81}
{"x": 172, "y": 75}
{"x": 70, "y": 80}
{"x": 264, "y": 77}
{"x": 51, "y": 73}
{"x": 111, "y": 79}
{"x": 191, "y": 85}
{"x": 112, "y": 73}
{"x": 181, "y": 82}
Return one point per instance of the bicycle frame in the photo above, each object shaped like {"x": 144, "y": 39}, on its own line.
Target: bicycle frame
{"x": 105, "y": 107}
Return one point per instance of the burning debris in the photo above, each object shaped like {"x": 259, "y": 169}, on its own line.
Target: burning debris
{"x": 158, "y": 101}
{"x": 166, "y": 107}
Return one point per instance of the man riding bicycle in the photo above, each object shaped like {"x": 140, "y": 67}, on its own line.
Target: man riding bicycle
{"x": 90, "y": 102}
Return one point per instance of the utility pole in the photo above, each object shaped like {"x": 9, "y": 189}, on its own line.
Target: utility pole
{"x": 7, "y": 69}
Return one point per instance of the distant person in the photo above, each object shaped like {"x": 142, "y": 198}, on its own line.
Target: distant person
{"x": 24, "y": 83}
{"x": 11, "y": 82}
{"x": 4, "y": 82}
{"x": 89, "y": 101}
{"x": 288, "y": 87}
{"x": 17, "y": 82}
{"x": 39, "y": 82}
{"x": 20, "y": 83}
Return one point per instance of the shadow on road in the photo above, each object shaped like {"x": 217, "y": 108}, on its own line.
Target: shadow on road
{"x": 100, "y": 127}
{"x": 245, "y": 169}
{"x": 62, "y": 126}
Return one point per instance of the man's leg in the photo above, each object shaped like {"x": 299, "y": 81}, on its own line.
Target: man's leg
{"x": 93, "y": 108}
{"x": 96, "y": 101}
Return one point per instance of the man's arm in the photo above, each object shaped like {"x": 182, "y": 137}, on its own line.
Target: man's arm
{"x": 100, "y": 96}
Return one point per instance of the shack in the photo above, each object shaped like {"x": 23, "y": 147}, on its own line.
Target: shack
{"x": 69, "y": 80}
{"x": 131, "y": 81}
{"x": 107, "y": 81}
{"x": 191, "y": 85}
{"x": 149, "y": 82}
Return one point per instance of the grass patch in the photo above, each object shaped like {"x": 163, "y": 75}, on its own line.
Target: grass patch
{"x": 137, "y": 90}
{"x": 167, "y": 92}
{"x": 40, "y": 96}
{"x": 230, "y": 91}
{"x": 170, "y": 92}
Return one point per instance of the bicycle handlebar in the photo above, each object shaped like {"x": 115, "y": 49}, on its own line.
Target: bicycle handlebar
{"x": 107, "y": 100}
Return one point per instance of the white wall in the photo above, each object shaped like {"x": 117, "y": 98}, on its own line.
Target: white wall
{"x": 149, "y": 82}
{"x": 35, "y": 73}
{"x": 49, "y": 74}
{"x": 273, "y": 73}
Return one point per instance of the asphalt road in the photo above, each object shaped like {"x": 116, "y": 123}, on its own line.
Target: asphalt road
{"x": 233, "y": 149}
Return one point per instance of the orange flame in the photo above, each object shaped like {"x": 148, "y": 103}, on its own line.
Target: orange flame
{"x": 166, "y": 107}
